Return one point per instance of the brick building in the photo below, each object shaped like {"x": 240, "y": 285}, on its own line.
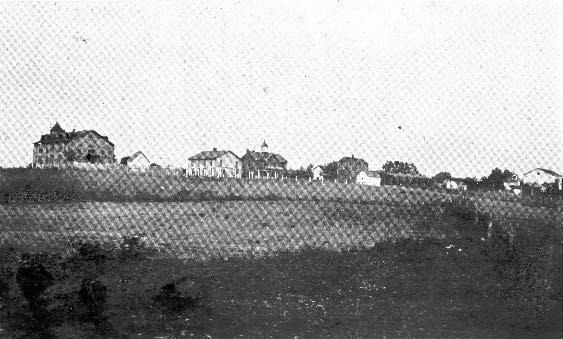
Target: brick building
{"x": 60, "y": 148}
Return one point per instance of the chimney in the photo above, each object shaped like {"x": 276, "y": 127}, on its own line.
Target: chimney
{"x": 214, "y": 149}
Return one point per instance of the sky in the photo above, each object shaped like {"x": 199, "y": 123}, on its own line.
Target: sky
{"x": 457, "y": 86}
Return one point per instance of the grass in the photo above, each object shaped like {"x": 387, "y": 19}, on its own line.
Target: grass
{"x": 270, "y": 258}
{"x": 407, "y": 288}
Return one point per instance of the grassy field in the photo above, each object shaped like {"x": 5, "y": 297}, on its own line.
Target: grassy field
{"x": 185, "y": 256}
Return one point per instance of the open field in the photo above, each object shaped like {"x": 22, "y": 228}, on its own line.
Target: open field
{"x": 226, "y": 228}
{"x": 274, "y": 258}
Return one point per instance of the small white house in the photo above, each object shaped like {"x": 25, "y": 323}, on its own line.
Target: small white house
{"x": 138, "y": 162}
{"x": 455, "y": 184}
{"x": 318, "y": 173}
{"x": 371, "y": 178}
{"x": 541, "y": 176}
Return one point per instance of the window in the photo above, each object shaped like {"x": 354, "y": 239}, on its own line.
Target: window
{"x": 220, "y": 163}
{"x": 102, "y": 152}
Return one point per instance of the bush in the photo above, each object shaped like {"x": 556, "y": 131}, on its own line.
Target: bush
{"x": 93, "y": 295}
{"x": 134, "y": 248}
{"x": 173, "y": 301}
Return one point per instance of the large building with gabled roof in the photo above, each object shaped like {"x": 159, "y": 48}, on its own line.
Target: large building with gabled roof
{"x": 60, "y": 148}
{"x": 263, "y": 164}
{"x": 220, "y": 164}
{"x": 541, "y": 176}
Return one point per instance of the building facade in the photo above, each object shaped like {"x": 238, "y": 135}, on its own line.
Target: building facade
{"x": 137, "y": 162}
{"x": 540, "y": 176}
{"x": 263, "y": 164}
{"x": 349, "y": 168}
{"x": 220, "y": 164}
{"x": 370, "y": 178}
{"x": 60, "y": 148}
{"x": 454, "y": 184}
{"x": 318, "y": 173}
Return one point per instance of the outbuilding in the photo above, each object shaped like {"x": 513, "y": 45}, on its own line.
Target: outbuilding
{"x": 371, "y": 178}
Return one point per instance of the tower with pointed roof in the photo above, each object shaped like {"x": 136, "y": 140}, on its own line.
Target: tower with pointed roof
{"x": 56, "y": 129}
{"x": 263, "y": 164}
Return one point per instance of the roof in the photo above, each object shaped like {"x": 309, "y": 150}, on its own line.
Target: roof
{"x": 265, "y": 156}
{"x": 544, "y": 170}
{"x": 135, "y": 156}
{"x": 67, "y": 137}
{"x": 210, "y": 155}
{"x": 124, "y": 160}
{"x": 373, "y": 174}
{"x": 264, "y": 144}
{"x": 57, "y": 128}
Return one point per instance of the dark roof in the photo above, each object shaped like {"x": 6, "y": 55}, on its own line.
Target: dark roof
{"x": 124, "y": 160}
{"x": 544, "y": 170}
{"x": 57, "y": 128}
{"x": 210, "y": 155}
{"x": 67, "y": 137}
{"x": 265, "y": 156}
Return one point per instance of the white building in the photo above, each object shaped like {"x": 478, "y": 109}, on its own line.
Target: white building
{"x": 137, "y": 162}
{"x": 455, "y": 184}
{"x": 220, "y": 164}
{"x": 371, "y": 178}
{"x": 540, "y": 176}
{"x": 318, "y": 173}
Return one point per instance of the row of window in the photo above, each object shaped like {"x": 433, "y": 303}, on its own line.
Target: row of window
{"x": 78, "y": 151}
{"x": 212, "y": 163}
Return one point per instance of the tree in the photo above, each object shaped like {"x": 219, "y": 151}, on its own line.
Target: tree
{"x": 496, "y": 179}
{"x": 442, "y": 176}
{"x": 330, "y": 170}
{"x": 399, "y": 167}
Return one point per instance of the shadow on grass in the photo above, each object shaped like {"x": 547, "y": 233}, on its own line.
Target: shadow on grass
{"x": 403, "y": 288}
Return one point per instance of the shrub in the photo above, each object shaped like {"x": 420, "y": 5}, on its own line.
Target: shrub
{"x": 134, "y": 248}
{"x": 33, "y": 279}
{"x": 93, "y": 295}
{"x": 173, "y": 301}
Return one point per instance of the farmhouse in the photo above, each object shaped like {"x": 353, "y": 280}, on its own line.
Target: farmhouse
{"x": 540, "y": 176}
{"x": 137, "y": 162}
{"x": 318, "y": 173}
{"x": 349, "y": 168}
{"x": 220, "y": 164}
{"x": 263, "y": 164}
{"x": 60, "y": 148}
{"x": 371, "y": 178}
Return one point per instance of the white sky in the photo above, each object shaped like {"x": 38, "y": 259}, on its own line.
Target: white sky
{"x": 473, "y": 85}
